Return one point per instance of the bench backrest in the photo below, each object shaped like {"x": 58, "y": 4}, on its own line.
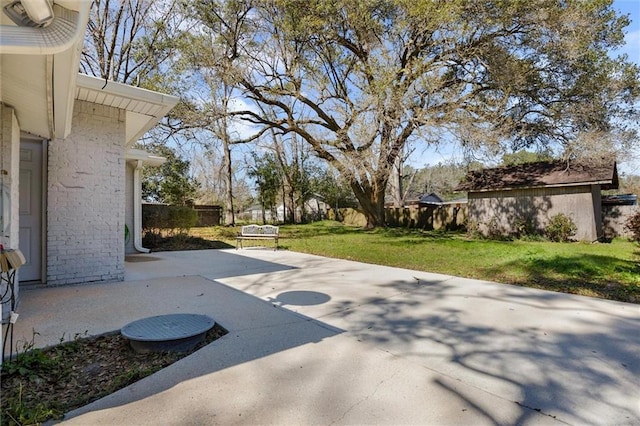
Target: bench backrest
{"x": 259, "y": 230}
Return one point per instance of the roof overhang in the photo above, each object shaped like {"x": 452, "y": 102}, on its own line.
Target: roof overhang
{"x": 38, "y": 68}
{"x": 148, "y": 159}
{"x": 144, "y": 107}
{"x": 607, "y": 184}
{"x": 556, "y": 174}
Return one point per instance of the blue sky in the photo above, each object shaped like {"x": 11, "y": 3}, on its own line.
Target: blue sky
{"x": 632, "y": 49}
{"x": 632, "y": 36}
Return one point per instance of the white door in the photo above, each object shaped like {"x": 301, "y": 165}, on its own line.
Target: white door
{"x": 31, "y": 209}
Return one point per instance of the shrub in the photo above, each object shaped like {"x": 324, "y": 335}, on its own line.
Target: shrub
{"x": 524, "y": 227}
{"x": 494, "y": 232}
{"x": 560, "y": 228}
{"x": 181, "y": 219}
{"x": 472, "y": 228}
{"x": 633, "y": 226}
{"x": 174, "y": 220}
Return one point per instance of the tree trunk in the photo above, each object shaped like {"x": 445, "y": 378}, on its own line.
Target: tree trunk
{"x": 395, "y": 183}
{"x": 284, "y": 205}
{"x": 372, "y": 204}
{"x": 229, "y": 215}
{"x": 292, "y": 203}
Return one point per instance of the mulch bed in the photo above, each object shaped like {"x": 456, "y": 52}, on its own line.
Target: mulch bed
{"x": 42, "y": 384}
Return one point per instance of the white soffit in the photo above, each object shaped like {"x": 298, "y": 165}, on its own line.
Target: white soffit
{"x": 23, "y": 87}
{"x": 148, "y": 159}
{"x": 38, "y": 68}
{"x": 144, "y": 107}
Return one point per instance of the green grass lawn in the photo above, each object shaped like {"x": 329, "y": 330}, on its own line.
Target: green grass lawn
{"x": 610, "y": 271}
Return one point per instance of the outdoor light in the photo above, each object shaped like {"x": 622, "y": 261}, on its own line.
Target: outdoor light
{"x": 30, "y": 13}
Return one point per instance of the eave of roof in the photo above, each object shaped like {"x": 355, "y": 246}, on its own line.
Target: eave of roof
{"x": 38, "y": 68}
{"x": 145, "y": 108}
{"x": 133, "y": 154}
{"x": 541, "y": 174}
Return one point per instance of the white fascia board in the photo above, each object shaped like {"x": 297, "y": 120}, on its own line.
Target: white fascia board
{"x": 133, "y": 154}
{"x": 64, "y": 83}
{"x": 139, "y": 124}
{"x": 133, "y": 98}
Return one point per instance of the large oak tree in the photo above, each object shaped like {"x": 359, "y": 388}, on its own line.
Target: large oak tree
{"x": 359, "y": 79}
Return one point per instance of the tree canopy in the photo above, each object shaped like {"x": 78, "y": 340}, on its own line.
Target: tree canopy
{"x": 358, "y": 80}
{"x": 169, "y": 183}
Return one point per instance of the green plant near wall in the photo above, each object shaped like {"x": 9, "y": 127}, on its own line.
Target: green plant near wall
{"x": 127, "y": 234}
{"x": 633, "y": 225}
{"x": 560, "y": 228}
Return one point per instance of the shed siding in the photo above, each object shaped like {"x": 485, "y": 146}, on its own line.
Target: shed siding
{"x": 501, "y": 211}
{"x": 85, "y": 217}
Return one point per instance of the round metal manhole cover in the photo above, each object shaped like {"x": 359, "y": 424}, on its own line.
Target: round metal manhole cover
{"x": 173, "y": 332}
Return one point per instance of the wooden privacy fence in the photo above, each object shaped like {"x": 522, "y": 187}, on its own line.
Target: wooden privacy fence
{"x": 614, "y": 219}
{"x": 428, "y": 217}
{"x": 208, "y": 215}
{"x": 152, "y": 214}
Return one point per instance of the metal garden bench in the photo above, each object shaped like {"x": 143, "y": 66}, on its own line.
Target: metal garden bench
{"x": 258, "y": 232}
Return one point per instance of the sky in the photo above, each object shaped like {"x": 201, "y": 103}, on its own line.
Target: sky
{"x": 631, "y": 48}
{"x": 632, "y": 36}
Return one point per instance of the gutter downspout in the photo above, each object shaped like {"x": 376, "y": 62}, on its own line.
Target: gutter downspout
{"x": 137, "y": 209}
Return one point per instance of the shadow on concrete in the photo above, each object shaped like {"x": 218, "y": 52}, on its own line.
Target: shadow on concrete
{"x": 300, "y": 298}
{"x": 212, "y": 264}
{"x": 257, "y": 330}
{"x": 585, "y": 373}
{"x": 581, "y": 368}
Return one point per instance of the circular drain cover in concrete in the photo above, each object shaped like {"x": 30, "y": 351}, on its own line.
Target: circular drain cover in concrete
{"x": 173, "y": 332}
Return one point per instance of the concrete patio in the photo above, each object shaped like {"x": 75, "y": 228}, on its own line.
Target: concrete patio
{"x": 323, "y": 341}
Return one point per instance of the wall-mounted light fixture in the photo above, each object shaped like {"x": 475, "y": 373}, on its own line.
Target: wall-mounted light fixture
{"x": 30, "y": 13}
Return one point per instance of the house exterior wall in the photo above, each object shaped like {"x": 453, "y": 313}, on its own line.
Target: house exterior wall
{"x": 10, "y": 171}
{"x": 502, "y": 211}
{"x": 128, "y": 196}
{"x": 9, "y": 176}
{"x": 85, "y": 198}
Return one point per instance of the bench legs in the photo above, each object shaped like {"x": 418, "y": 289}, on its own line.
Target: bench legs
{"x": 239, "y": 242}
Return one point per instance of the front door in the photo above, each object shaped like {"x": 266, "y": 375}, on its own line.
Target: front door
{"x": 31, "y": 209}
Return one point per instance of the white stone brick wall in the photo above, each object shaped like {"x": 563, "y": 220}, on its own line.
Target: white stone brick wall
{"x": 10, "y": 170}
{"x": 86, "y": 200}
{"x": 128, "y": 248}
{"x": 9, "y": 176}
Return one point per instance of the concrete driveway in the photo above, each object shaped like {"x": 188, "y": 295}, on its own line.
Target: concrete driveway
{"x": 314, "y": 340}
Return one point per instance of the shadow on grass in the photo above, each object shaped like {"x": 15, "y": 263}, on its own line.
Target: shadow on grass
{"x": 575, "y": 274}
{"x": 419, "y": 233}
{"x": 318, "y": 229}
{"x": 324, "y": 228}
{"x": 182, "y": 242}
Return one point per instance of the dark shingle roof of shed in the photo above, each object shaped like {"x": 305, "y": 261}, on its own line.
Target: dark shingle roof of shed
{"x": 541, "y": 174}
{"x": 431, "y": 198}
